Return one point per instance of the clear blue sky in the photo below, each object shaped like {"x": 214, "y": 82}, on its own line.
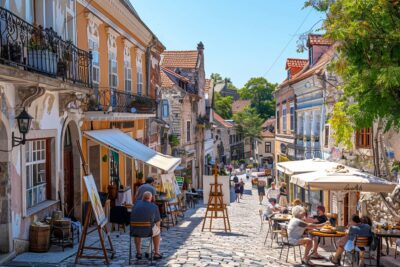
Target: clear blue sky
{"x": 242, "y": 38}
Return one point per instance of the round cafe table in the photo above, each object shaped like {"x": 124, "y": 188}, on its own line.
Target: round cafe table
{"x": 332, "y": 236}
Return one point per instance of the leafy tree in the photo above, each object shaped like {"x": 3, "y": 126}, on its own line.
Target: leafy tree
{"x": 248, "y": 123}
{"x": 223, "y": 105}
{"x": 368, "y": 39}
{"x": 216, "y": 78}
{"x": 259, "y": 92}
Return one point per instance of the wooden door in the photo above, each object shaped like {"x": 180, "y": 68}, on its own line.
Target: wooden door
{"x": 346, "y": 209}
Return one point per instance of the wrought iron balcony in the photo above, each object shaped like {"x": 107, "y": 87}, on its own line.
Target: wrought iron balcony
{"x": 112, "y": 100}
{"x": 36, "y": 49}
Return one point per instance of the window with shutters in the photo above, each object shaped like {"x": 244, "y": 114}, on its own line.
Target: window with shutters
{"x": 128, "y": 77}
{"x": 292, "y": 119}
{"x": 188, "y": 128}
{"x": 267, "y": 147}
{"x": 112, "y": 70}
{"x": 363, "y": 138}
{"x": 284, "y": 122}
{"x": 165, "y": 108}
{"x": 139, "y": 75}
{"x": 94, "y": 48}
{"x": 38, "y": 173}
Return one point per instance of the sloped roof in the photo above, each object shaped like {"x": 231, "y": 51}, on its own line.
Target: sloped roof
{"x": 166, "y": 81}
{"x": 316, "y": 69}
{"x": 296, "y": 63}
{"x": 240, "y": 105}
{"x": 180, "y": 59}
{"x": 221, "y": 121}
{"x": 317, "y": 39}
{"x": 265, "y": 132}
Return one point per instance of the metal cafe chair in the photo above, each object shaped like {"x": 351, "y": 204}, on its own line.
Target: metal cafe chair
{"x": 285, "y": 243}
{"x": 361, "y": 243}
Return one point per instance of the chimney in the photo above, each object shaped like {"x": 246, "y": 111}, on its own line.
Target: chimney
{"x": 317, "y": 46}
{"x": 200, "y": 47}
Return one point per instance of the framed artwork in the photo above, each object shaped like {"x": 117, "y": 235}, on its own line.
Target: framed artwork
{"x": 94, "y": 198}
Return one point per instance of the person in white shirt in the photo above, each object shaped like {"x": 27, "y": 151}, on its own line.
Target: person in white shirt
{"x": 273, "y": 192}
{"x": 272, "y": 208}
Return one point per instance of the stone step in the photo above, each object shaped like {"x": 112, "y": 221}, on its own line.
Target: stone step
{"x": 390, "y": 261}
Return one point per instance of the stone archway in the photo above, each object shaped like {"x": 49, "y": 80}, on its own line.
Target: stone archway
{"x": 5, "y": 188}
{"x": 71, "y": 167}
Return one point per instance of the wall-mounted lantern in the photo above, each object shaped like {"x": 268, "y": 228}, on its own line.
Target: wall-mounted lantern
{"x": 24, "y": 123}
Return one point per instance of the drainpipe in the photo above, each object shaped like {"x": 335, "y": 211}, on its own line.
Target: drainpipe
{"x": 148, "y": 75}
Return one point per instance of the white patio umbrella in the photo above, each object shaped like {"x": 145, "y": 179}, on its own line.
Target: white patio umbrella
{"x": 303, "y": 166}
{"x": 342, "y": 178}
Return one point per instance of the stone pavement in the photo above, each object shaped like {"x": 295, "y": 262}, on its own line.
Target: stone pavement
{"x": 186, "y": 245}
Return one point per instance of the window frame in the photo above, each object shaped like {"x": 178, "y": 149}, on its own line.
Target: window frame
{"x": 94, "y": 48}
{"x": 139, "y": 75}
{"x": 292, "y": 116}
{"x": 164, "y": 104}
{"x": 364, "y": 138}
{"x": 326, "y": 136}
{"x": 284, "y": 118}
{"x": 188, "y": 131}
{"x": 127, "y": 77}
{"x": 31, "y": 159}
{"x": 268, "y": 145}
{"x": 112, "y": 59}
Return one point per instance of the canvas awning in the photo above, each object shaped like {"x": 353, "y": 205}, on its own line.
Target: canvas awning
{"x": 303, "y": 166}
{"x": 344, "y": 179}
{"x": 119, "y": 141}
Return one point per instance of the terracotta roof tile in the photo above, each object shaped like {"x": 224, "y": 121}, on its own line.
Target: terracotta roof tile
{"x": 221, "y": 121}
{"x": 180, "y": 59}
{"x": 240, "y": 105}
{"x": 295, "y": 63}
{"x": 315, "y": 69}
{"x": 317, "y": 39}
{"x": 166, "y": 81}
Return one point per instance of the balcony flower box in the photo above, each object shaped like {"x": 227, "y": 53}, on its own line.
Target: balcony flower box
{"x": 143, "y": 104}
{"x": 43, "y": 61}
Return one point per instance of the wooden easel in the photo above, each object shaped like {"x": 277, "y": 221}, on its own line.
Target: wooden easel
{"x": 216, "y": 204}
{"x": 100, "y": 229}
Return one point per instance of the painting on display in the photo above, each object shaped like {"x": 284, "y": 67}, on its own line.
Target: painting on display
{"x": 94, "y": 198}
{"x": 169, "y": 185}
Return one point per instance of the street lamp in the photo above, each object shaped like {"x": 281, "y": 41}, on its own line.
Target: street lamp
{"x": 24, "y": 123}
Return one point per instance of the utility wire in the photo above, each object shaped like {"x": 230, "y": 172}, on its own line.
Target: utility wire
{"x": 288, "y": 43}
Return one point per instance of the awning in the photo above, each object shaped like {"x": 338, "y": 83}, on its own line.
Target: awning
{"x": 344, "y": 179}
{"x": 303, "y": 166}
{"x": 119, "y": 141}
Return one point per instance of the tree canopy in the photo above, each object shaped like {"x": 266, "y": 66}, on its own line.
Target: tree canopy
{"x": 259, "y": 91}
{"x": 223, "y": 105}
{"x": 248, "y": 123}
{"x": 368, "y": 38}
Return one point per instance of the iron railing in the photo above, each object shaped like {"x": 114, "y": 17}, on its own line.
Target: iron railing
{"x": 113, "y": 100}
{"x": 41, "y": 50}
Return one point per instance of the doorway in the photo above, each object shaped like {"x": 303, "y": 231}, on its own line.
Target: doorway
{"x": 346, "y": 209}
{"x": 68, "y": 174}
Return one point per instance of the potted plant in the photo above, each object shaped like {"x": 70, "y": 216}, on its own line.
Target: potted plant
{"x": 173, "y": 140}
{"x": 143, "y": 104}
{"x": 42, "y": 54}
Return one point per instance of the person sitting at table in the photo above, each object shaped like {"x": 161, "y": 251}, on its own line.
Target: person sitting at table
{"x": 296, "y": 229}
{"x": 320, "y": 218}
{"x": 272, "y": 208}
{"x": 273, "y": 192}
{"x": 356, "y": 228}
{"x": 146, "y": 211}
{"x": 147, "y": 186}
{"x": 296, "y": 202}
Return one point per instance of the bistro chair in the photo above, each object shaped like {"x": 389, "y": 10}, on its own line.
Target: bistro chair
{"x": 262, "y": 220}
{"x": 272, "y": 231}
{"x": 141, "y": 230}
{"x": 285, "y": 243}
{"x": 361, "y": 243}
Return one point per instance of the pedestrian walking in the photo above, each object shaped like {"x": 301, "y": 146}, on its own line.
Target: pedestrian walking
{"x": 273, "y": 192}
{"x": 261, "y": 189}
{"x": 283, "y": 201}
{"x": 241, "y": 183}
{"x": 237, "y": 191}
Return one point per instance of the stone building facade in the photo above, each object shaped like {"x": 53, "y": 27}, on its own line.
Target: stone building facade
{"x": 183, "y": 93}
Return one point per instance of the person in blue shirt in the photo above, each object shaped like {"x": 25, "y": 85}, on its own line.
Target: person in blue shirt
{"x": 147, "y": 186}
{"x": 357, "y": 228}
{"x": 146, "y": 211}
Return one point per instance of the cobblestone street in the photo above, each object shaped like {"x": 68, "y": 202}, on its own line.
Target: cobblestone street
{"x": 186, "y": 245}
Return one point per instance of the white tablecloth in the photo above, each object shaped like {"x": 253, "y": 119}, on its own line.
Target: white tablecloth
{"x": 124, "y": 197}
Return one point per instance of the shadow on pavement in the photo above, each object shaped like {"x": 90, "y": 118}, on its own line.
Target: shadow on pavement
{"x": 229, "y": 234}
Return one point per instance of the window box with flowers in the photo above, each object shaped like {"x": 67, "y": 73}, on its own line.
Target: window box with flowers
{"x": 143, "y": 104}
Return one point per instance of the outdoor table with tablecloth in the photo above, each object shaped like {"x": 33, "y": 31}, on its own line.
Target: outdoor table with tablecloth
{"x": 384, "y": 234}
